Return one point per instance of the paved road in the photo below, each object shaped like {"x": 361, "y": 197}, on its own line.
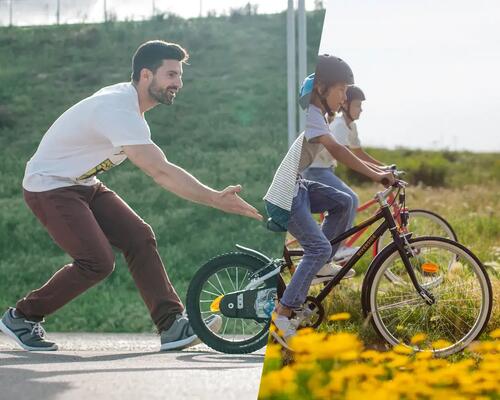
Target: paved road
{"x": 125, "y": 366}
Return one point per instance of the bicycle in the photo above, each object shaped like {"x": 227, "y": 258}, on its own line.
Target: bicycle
{"x": 438, "y": 287}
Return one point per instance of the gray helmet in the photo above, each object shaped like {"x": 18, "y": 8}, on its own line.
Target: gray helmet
{"x": 331, "y": 70}
{"x": 354, "y": 93}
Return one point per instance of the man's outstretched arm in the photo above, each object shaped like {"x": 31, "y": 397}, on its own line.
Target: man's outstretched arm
{"x": 151, "y": 159}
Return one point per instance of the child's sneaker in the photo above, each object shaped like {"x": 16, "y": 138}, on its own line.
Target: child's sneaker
{"x": 328, "y": 271}
{"x": 283, "y": 330}
{"x": 30, "y": 335}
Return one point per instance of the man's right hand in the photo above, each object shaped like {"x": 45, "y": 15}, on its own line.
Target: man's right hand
{"x": 228, "y": 200}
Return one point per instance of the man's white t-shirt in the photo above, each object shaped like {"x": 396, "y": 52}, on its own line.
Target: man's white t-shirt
{"x": 344, "y": 134}
{"x": 87, "y": 139}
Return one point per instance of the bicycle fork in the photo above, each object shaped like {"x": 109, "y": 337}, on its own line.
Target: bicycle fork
{"x": 404, "y": 249}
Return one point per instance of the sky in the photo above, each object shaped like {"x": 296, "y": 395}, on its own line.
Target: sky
{"x": 430, "y": 70}
{"x": 36, "y": 12}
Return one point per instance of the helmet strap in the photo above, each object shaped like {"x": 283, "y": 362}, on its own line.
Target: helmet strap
{"x": 346, "y": 112}
{"x": 326, "y": 107}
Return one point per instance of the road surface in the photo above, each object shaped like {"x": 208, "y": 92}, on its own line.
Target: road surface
{"x": 122, "y": 367}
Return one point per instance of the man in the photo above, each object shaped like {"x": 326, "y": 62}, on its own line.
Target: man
{"x": 85, "y": 218}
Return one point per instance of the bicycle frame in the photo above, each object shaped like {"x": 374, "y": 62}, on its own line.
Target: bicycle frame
{"x": 388, "y": 224}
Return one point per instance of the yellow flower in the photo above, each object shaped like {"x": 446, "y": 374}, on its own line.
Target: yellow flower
{"x": 339, "y": 317}
{"x": 418, "y": 338}
{"x": 402, "y": 349}
{"x": 495, "y": 334}
{"x": 440, "y": 344}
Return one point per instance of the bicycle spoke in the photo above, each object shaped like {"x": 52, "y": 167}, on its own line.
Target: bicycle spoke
{"x": 216, "y": 288}
{"x": 218, "y": 280}
{"x": 213, "y": 294}
{"x": 230, "y": 280}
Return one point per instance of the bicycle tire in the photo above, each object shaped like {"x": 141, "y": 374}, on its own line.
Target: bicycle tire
{"x": 376, "y": 273}
{"x": 214, "y": 340}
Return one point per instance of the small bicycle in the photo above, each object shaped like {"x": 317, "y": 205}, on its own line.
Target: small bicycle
{"x": 427, "y": 285}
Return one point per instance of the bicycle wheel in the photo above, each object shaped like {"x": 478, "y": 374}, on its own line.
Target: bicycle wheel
{"x": 456, "y": 279}
{"x": 421, "y": 223}
{"x": 222, "y": 275}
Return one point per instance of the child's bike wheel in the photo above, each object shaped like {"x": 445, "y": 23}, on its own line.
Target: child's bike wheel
{"x": 455, "y": 278}
{"x": 222, "y": 275}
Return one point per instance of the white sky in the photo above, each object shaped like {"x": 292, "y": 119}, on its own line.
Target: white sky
{"x": 36, "y": 12}
{"x": 430, "y": 70}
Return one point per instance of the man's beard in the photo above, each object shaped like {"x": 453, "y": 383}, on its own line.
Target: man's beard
{"x": 162, "y": 95}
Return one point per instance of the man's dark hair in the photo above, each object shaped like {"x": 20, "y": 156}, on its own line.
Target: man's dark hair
{"x": 151, "y": 54}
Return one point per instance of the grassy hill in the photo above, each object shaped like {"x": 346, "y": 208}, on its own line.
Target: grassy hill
{"x": 227, "y": 126}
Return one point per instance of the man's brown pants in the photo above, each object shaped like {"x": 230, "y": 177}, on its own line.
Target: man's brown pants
{"x": 85, "y": 221}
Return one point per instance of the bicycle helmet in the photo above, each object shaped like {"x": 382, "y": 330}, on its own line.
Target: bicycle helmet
{"x": 352, "y": 93}
{"x": 329, "y": 71}
{"x": 305, "y": 91}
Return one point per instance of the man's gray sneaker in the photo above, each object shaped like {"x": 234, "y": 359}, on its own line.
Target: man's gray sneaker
{"x": 180, "y": 335}
{"x": 30, "y": 335}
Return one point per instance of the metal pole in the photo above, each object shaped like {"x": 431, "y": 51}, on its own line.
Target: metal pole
{"x": 154, "y": 8}
{"x": 291, "y": 73}
{"x": 58, "y": 11}
{"x": 105, "y": 12}
{"x": 201, "y": 8}
{"x": 302, "y": 33}
{"x": 10, "y": 12}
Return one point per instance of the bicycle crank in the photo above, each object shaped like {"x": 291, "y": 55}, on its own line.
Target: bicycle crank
{"x": 312, "y": 313}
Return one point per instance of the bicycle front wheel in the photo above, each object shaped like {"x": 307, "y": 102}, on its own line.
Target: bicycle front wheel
{"x": 451, "y": 273}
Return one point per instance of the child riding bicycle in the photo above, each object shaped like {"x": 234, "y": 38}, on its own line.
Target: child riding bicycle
{"x": 344, "y": 130}
{"x": 290, "y": 199}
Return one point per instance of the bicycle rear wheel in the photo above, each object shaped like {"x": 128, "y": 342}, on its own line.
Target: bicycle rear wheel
{"x": 456, "y": 279}
{"x": 225, "y": 274}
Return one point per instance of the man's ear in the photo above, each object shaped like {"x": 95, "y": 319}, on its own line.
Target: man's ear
{"x": 146, "y": 74}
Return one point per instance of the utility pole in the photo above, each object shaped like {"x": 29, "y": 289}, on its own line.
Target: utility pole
{"x": 291, "y": 73}
{"x": 292, "y": 60}
{"x": 10, "y": 12}
{"x": 58, "y": 11}
{"x": 201, "y": 8}
{"x": 105, "y": 12}
{"x": 302, "y": 64}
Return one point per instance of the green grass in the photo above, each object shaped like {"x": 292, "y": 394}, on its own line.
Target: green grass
{"x": 228, "y": 126}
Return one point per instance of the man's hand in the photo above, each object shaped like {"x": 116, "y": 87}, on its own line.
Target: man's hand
{"x": 229, "y": 201}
